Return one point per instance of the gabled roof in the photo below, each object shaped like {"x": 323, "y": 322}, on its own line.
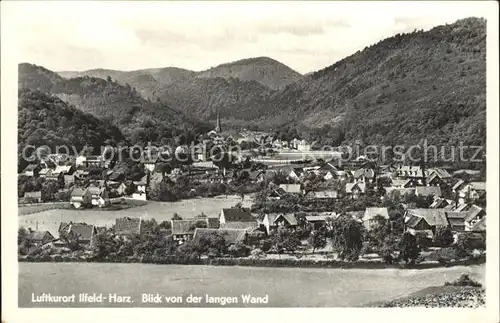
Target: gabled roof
{"x": 364, "y": 172}
{"x": 62, "y": 169}
{"x": 350, "y": 187}
{"x": 473, "y": 212}
{"x": 428, "y": 190}
{"x": 238, "y": 215}
{"x": 480, "y": 225}
{"x": 371, "y": 212}
{"x": 31, "y": 167}
{"x": 439, "y": 203}
{"x": 78, "y": 192}
{"x": 440, "y": 172}
{"x": 39, "y": 235}
{"x": 326, "y": 167}
{"x": 316, "y": 218}
{"x": 291, "y": 188}
{"x": 82, "y": 231}
{"x": 433, "y": 217}
{"x": 400, "y": 182}
{"x": 230, "y": 236}
{"x": 298, "y": 171}
{"x": 45, "y": 171}
{"x": 462, "y": 207}
{"x": 213, "y": 223}
{"x": 402, "y": 191}
{"x": 289, "y": 217}
{"x": 128, "y": 225}
{"x": 184, "y": 226}
{"x": 478, "y": 186}
{"x": 458, "y": 184}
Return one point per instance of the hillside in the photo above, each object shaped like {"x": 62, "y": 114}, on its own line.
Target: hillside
{"x": 119, "y": 104}
{"x": 263, "y": 70}
{"x": 405, "y": 88}
{"x": 47, "y": 120}
{"x": 146, "y": 81}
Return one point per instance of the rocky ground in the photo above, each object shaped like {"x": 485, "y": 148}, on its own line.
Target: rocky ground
{"x": 447, "y": 296}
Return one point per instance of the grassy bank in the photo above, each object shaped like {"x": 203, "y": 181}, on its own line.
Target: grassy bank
{"x": 249, "y": 262}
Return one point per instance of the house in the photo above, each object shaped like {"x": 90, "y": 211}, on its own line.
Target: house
{"x": 231, "y": 236}
{"x": 428, "y": 191}
{"x": 401, "y": 191}
{"x": 322, "y": 195}
{"x": 128, "y": 226}
{"x": 364, "y": 175}
{"x": 457, "y": 185}
{"x": 456, "y": 220}
{"x": 474, "y": 215}
{"x": 291, "y": 188}
{"x": 140, "y": 189}
{"x": 434, "y": 180}
{"x": 274, "y": 221}
{"x": 355, "y": 189}
{"x": 39, "y": 238}
{"x": 257, "y": 176}
{"x": 69, "y": 180}
{"x": 84, "y": 232}
{"x": 32, "y": 170}
{"x": 80, "y": 197}
{"x": 472, "y": 191}
{"x": 441, "y": 173}
{"x": 440, "y": 203}
{"x": 296, "y": 174}
{"x": 371, "y": 213}
{"x": 35, "y": 197}
{"x": 276, "y": 194}
{"x": 403, "y": 183}
{"x": 122, "y": 188}
{"x": 425, "y": 220}
{"x": 318, "y": 220}
{"x": 45, "y": 172}
{"x": 81, "y": 174}
{"x": 479, "y": 226}
{"x": 183, "y": 230}
{"x": 93, "y": 161}
{"x": 405, "y": 172}
{"x": 236, "y": 218}
{"x": 149, "y": 162}
{"x": 99, "y": 195}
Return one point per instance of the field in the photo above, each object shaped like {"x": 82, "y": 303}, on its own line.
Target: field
{"x": 285, "y": 287}
{"x": 50, "y": 219}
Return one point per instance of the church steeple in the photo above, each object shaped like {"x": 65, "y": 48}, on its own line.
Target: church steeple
{"x": 218, "y": 128}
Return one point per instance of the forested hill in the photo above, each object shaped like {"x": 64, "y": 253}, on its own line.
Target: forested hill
{"x": 47, "y": 120}
{"x": 263, "y": 70}
{"x": 137, "y": 117}
{"x": 423, "y": 84}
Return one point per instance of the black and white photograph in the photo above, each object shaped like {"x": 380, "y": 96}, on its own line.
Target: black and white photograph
{"x": 183, "y": 154}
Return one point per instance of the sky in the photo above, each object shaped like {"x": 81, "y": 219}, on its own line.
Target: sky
{"x": 76, "y": 36}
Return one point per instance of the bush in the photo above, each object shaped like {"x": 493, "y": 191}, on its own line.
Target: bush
{"x": 464, "y": 280}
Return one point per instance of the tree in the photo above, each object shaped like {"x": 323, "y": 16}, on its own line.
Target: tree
{"x": 347, "y": 237}
{"x": 408, "y": 248}
{"x": 284, "y": 240}
{"x": 317, "y": 239}
{"x": 379, "y": 230}
{"x": 239, "y": 250}
{"x": 443, "y": 236}
{"x": 176, "y": 217}
{"x": 422, "y": 240}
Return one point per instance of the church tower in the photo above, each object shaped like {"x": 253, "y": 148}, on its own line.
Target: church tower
{"x": 218, "y": 127}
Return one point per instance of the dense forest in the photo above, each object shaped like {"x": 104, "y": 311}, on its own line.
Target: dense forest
{"x": 422, "y": 85}
{"x": 47, "y": 120}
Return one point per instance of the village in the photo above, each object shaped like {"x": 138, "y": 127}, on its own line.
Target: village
{"x": 298, "y": 205}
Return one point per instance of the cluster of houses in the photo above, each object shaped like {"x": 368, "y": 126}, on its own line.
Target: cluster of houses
{"x": 358, "y": 180}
